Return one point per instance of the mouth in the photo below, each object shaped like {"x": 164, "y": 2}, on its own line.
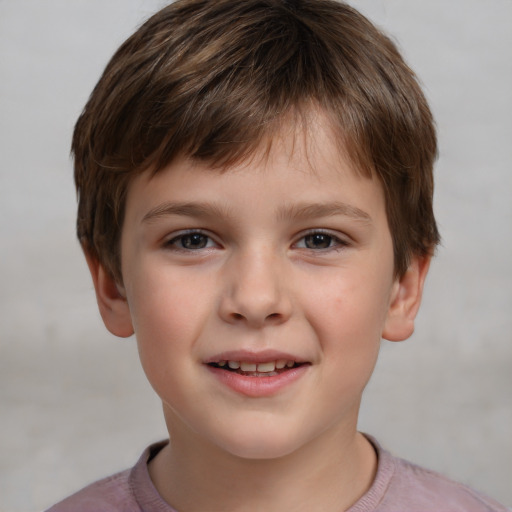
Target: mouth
{"x": 257, "y": 374}
{"x": 256, "y": 369}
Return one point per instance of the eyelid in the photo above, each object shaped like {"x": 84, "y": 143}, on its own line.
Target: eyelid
{"x": 169, "y": 241}
{"x": 340, "y": 239}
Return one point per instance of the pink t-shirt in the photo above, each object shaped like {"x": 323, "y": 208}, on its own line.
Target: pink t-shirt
{"x": 399, "y": 486}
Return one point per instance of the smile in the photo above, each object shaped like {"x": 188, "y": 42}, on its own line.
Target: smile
{"x": 252, "y": 369}
{"x": 257, "y": 374}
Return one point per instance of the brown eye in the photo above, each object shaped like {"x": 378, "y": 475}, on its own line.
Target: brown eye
{"x": 194, "y": 241}
{"x": 318, "y": 241}
{"x": 191, "y": 242}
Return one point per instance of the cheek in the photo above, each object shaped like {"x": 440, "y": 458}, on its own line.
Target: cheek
{"x": 166, "y": 329}
{"x": 168, "y": 312}
{"x": 165, "y": 298}
{"x": 348, "y": 316}
{"x": 349, "y": 305}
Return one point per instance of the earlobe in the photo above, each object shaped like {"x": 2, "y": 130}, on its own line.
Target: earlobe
{"x": 405, "y": 301}
{"x": 111, "y": 299}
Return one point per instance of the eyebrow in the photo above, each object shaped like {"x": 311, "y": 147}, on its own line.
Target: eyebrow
{"x": 294, "y": 211}
{"x": 317, "y": 210}
{"x": 199, "y": 210}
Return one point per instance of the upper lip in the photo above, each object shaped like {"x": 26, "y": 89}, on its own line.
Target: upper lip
{"x": 264, "y": 356}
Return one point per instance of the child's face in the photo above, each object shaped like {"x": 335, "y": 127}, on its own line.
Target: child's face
{"x": 285, "y": 259}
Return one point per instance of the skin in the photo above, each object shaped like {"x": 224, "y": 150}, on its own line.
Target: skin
{"x": 268, "y": 267}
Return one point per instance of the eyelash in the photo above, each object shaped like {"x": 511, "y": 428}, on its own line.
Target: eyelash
{"x": 173, "y": 242}
{"x": 334, "y": 243}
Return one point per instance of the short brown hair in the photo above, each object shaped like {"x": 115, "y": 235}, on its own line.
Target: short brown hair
{"x": 210, "y": 79}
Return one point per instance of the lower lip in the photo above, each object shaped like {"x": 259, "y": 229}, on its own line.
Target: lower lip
{"x": 257, "y": 387}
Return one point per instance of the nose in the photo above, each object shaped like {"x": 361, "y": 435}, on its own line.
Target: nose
{"x": 255, "y": 291}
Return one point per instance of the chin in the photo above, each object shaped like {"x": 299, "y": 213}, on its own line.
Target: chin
{"x": 261, "y": 444}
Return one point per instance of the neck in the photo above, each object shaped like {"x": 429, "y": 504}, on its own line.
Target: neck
{"x": 330, "y": 473}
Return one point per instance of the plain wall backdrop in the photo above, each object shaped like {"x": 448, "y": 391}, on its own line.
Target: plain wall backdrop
{"x": 74, "y": 403}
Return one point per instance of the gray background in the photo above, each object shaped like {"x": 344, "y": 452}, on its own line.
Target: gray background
{"x": 74, "y": 403}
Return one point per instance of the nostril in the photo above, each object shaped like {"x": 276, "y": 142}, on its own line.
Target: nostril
{"x": 275, "y": 318}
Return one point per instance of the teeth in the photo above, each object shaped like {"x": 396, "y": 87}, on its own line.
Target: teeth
{"x": 268, "y": 367}
{"x": 248, "y": 367}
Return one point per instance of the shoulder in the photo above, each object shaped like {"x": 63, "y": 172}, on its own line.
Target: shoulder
{"x": 111, "y": 494}
{"x": 128, "y": 491}
{"x": 400, "y": 485}
{"x": 414, "y": 488}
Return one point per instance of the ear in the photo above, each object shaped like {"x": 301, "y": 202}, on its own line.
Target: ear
{"x": 405, "y": 301}
{"x": 111, "y": 299}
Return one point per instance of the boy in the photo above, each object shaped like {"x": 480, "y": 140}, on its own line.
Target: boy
{"x": 255, "y": 204}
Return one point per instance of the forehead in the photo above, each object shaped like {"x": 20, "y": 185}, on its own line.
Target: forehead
{"x": 306, "y": 138}
{"x": 301, "y": 167}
